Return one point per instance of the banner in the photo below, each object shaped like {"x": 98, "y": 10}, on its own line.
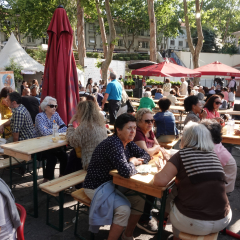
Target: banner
{"x": 7, "y": 80}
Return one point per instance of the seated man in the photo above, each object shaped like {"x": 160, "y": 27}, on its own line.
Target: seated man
{"x": 21, "y": 121}
{"x": 30, "y": 103}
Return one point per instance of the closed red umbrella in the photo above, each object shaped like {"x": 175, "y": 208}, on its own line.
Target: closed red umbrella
{"x": 218, "y": 69}
{"x": 166, "y": 69}
{"x": 60, "y": 74}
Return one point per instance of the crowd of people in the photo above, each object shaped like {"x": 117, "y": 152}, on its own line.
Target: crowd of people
{"x": 203, "y": 168}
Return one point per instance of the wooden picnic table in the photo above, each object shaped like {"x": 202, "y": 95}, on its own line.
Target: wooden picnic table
{"x": 24, "y": 150}
{"x": 231, "y": 138}
{"x": 229, "y": 111}
{"x": 143, "y": 184}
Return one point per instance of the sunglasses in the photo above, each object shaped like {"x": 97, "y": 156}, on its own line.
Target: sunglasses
{"x": 53, "y": 106}
{"x": 218, "y": 103}
{"x": 148, "y": 121}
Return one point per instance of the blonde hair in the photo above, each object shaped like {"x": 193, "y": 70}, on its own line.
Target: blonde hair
{"x": 141, "y": 112}
{"x": 196, "y": 136}
{"x": 88, "y": 113}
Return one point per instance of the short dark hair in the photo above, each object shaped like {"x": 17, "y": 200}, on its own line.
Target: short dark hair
{"x": 122, "y": 120}
{"x": 173, "y": 92}
{"x": 23, "y": 81}
{"x": 148, "y": 89}
{"x": 5, "y": 91}
{"x": 210, "y": 101}
{"x": 164, "y": 104}
{"x": 215, "y": 129}
{"x": 167, "y": 80}
{"x": 233, "y": 77}
{"x": 189, "y": 101}
{"x": 159, "y": 90}
{"x": 221, "y": 94}
{"x": 225, "y": 89}
{"x": 15, "y": 96}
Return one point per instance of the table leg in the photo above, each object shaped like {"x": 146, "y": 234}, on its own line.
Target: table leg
{"x": 35, "y": 186}
{"x": 10, "y": 169}
{"x": 161, "y": 214}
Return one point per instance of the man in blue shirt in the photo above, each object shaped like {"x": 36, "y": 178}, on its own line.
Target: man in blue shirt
{"x": 113, "y": 95}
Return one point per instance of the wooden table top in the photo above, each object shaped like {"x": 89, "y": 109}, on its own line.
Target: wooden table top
{"x": 140, "y": 183}
{"x": 24, "y": 149}
{"x": 231, "y": 138}
{"x": 229, "y": 111}
{"x": 3, "y": 121}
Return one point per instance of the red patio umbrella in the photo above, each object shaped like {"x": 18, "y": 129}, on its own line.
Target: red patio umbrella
{"x": 218, "y": 69}
{"x": 166, "y": 69}
{"x": 60, "y": 74}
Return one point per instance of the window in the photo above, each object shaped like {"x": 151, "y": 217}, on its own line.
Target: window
{"x": 186, "y": 44}
{"x": 180, "y": 43}
{"x": 144, "y": 44}
{"x": 91, "y": 26}
{"x": 118, "y": 30}
{"x": 141, "y": 32}
{"x": 172, "y": 42}
{"x": 30, "y": 40}
{"x": 45, "y": 41}
{"x": 91, "y": 40}
{"x": 120, "y": 42}
{"x": 129, "y": 42}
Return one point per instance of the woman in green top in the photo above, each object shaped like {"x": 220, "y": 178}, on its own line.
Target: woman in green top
{"x": 146, "y": 102}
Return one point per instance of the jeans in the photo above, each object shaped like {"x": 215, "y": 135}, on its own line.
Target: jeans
{"x": 113, "y": 107}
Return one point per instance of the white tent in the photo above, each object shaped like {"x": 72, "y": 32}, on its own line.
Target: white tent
{"x": 14, "y": 50}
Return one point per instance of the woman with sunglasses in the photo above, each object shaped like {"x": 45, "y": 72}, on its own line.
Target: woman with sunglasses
{"x": 44, "y": 126}
{"x": 211, "y": 107}
{"x": 165, "y": 122}
{"x": 146, "y": 140}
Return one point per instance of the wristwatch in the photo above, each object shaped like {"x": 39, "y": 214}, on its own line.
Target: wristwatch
{"x": 70, "y": 125}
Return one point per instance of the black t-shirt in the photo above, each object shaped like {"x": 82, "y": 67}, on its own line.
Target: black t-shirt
{"x": 32, "y": 105}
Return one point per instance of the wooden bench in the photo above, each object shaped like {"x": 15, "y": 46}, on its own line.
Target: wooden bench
{"x": 186, "y": 236}
{"x": 80, "y": 197}
{"x": 4, "y": 163}
{"x": 56, "y": 189}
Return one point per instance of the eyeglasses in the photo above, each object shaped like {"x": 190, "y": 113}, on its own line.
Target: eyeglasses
{"x": 218, "y": 103}
{"x": 53, "y": 106}
{"x": 148, "y": 121}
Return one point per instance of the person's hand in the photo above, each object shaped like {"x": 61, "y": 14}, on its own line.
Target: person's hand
{"x": 158, "y": 148}
{"x": 74, "y": 118}
{"x": 203, "y": 115}
{"x": 1, "y": 129}
{"x": 166, "y": 155}
{"x": 160, "y": 163}
{"x": 136, "y": 161}
{"x": 220, "y": 120}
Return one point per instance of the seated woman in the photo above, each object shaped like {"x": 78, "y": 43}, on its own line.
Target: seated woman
{"x": 44, "y": 126}
{"x": 121, "y": 153}
{"x": 192, "y": 211}
{"x": 194, "y": 108}
{"x": 146, "y": 102}
{"x": 177, "y": 94}
{"x": 149, "y": 91}
{"x": 5, "y": 111}
{"x": 9, "y": 216}
{"x": 90, "y": 132}
{"x": 228, "y": 162}
{"x": 146, "y": 140}
{"x": 172, "y": 97}
{"x": 165, "y": 122}
{"x": 212, "y": 105}
{"x": 158, "y": 94}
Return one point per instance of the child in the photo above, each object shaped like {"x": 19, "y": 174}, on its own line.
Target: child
{"x": 231, "y": 97}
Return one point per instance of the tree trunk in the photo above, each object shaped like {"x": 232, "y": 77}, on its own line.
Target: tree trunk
{"x": 195, "y": 51}
{"x": 226, "y": 30}
{"x": 152, "y": 20}
{"x": 74, "y": 39}
{"x": 111, "y": 44}
{"x": 81, "y": 33}
{"x": 102, "y": 29}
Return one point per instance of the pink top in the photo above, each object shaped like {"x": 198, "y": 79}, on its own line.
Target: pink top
{"x": 212, "y": 114}
{"x": 225, "y": 96}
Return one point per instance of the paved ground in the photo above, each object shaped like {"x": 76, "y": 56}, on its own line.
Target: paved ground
{"x": 36, "y": 229}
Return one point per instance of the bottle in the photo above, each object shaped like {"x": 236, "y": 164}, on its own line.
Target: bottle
{"x": 55, "y": 128}
{"x": 232, "y": 127}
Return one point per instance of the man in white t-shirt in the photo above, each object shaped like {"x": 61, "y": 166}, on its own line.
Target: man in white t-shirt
{"x": 183, "y": 87}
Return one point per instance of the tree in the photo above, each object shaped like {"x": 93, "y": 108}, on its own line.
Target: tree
{"x": 130, "y": 17}
{"x": 81, "y": 33}
{"x": 209, "y": 44}
{"x": 112, "y": 42}
{"x": 152, "y": 21}
{"x": 195, "y": 51}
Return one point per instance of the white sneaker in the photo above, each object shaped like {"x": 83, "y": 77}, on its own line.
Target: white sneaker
{"x": 126, "y": 238}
